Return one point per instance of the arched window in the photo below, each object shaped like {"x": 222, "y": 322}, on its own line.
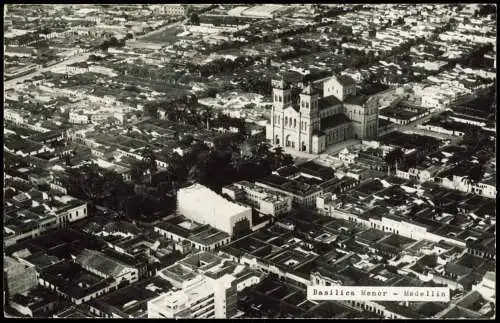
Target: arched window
{"x": 295, "y": 123}
{"x": 279, "y": 98}
{"x": 286, "y": 121}
{"x": 307, "y": 104}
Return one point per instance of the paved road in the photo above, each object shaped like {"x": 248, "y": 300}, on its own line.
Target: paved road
{"x": 140, "y": 38}
{"x": 77, "y": 58}
{"x": 412, "y": 128}
{"x": 301, "y": 157}
{"x": 412, "y": 125}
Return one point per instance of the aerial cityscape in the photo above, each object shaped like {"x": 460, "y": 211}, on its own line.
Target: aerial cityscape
{"x": 218, "y": 160}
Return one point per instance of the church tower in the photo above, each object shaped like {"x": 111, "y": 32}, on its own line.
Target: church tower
{"x": 370, "y": 119}
{"x": 309, "y": 117}
{"x": 282, "y": 98}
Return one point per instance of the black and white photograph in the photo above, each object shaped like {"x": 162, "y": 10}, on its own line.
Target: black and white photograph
{"x": 249, "y": 161}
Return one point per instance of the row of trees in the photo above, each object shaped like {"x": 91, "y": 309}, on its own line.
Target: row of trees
{"x": 112, "y": 42}
{"x": 222, "y": 65}
{"x": 214, "y": 167}
{"x": 100, "y": 187}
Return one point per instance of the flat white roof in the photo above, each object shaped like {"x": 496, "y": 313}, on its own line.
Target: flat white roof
{"x": 203, "y": 197}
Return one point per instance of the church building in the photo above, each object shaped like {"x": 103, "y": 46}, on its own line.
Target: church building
{"x": 326, "y": 112}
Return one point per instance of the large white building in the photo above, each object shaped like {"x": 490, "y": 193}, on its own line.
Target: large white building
{"x": 205, "y": 286}
{"x": 263, "y": 200}
{"x": 172, "y": 9}
{"x": 317, "y": 121}
{"x": 207, "y": 207}
{"x": 204, "y": 297}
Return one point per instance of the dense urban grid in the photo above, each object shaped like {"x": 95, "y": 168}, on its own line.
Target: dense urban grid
{"x": 213, "y": 161}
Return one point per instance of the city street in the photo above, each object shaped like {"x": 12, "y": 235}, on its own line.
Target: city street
{"x": 77, "y": 58}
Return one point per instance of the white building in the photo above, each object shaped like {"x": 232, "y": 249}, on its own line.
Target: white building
{"x": 418, "y": 173}
{"x": 206, "y": 207}
{"x": 312, "y": 123}
{"x": 263, "y": 200}
{"x": 203, "y": 298}
{"x": 73, "y": 210}
{"x": 173, "y": 10}
{"x": 17, "y": 117}
{"x": 394, "y": 224}
{"x": 487, "y": 287}
{"x": 205, "y": 286}
{"x": 78, "y": 118}
{"x": 486, "y": 188}
{"x": 105, "y": 267}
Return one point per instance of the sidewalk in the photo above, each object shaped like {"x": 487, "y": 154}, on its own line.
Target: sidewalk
{"x": 301, "y": 157}
{"x": 332, "y": 150}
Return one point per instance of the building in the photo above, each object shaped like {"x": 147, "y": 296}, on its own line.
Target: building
{"x": 313, "y": 123}
{"x": 394, "y": 224}
{"x": 198, "y": 236}
{"x": 487, "y": 287}
{"x": 78, "y": 118}
{"x": 18, "y": 117}
{"x": 174, "y": 10}
{"x": 204, "y": 206}
{"x": 20, "y": 277}
{"x": 203, "y": 298}
{"x": 205, "y": 286}
{"x": 418, "y": 173}
{"x": 106, "y": 267}
{"x": 73, "y": 283}
{"x": 23, "y": 223}
{"x": 301, "y": 193}
{"x": 263, "y": 200}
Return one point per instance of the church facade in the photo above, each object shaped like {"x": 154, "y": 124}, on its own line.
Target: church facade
{"x": 326, "y": 112}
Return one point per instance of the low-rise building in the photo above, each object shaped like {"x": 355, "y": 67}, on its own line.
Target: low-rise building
{"x": 487, "y": 287}
{"x": 201, "y": 237}
{"x": 19, "y": 276}
{"x": 72, "y": 282}
{"x": 106, "y": 267}
{"x": 263, "y": 200}
{"x": 22, "y": 223}
{"x": 301, "y": 193}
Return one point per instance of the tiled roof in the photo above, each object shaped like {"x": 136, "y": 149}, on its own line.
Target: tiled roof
{"x": 345, "y": 80}
{"x": 328, "y": 102}
{"x": 334, "y": 121}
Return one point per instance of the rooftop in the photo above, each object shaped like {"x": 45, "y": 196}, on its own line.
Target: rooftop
{"x": 288, "y": 185}
{"x": 201, "y": 195}
{"x": 333, "y": 121}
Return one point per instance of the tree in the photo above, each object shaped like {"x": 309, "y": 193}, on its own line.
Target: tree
{"x": 287, "y": 160}
{"x": 137, "y": 170}
{"x": 194, "y": 19}
{"x": 394, "y": 157}
{"x": 263, "y": 149}
{"x": 149, "y": 158}
{"x": 163, "y": 188}
{"x": 476, "y": 173}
